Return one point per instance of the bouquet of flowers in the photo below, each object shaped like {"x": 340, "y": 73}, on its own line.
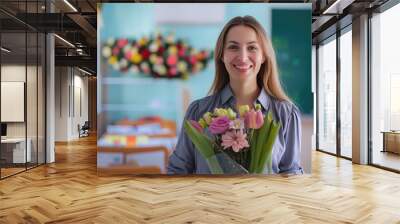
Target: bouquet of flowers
{"x": 236, "y": 144}
{"x": 159, "y": 56}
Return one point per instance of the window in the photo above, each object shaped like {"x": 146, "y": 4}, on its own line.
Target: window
{"x": 346, "y": 93}
{"x": 327, "y": 96}
{"x": 385, "y": 89}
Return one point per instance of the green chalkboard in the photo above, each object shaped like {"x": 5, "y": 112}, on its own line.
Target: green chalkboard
{"x": 291, "y": 37}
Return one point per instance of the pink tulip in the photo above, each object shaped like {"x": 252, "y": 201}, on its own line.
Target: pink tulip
{"x": 253, "y": 119}
{"x": 259, "y": 119}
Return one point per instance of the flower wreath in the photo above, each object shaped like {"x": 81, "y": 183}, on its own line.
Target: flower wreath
{"x": 160, "y": 57}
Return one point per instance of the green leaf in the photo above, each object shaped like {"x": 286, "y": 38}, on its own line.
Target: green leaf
{"x": 205, "y": 146}
{"x": 261, "y": 138}
{"x": 267, "y": 147}
{"x": 269, "y": 121}
{"x": 253, "y": 144}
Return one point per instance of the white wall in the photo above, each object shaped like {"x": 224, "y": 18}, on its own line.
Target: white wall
{"x": 61, "y": 103}
{"x": 71, "y": 94}
{"x": 80, "y": 109}
{"x": 13, "y": 73}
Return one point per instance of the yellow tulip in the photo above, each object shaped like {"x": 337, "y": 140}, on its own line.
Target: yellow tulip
{"x": 220, "y": 112}
{"x": 243, "y": 109}
{"x": 231, "y": 114}
{"x": 207, "y": 117}
{"x": 203, "y": 123}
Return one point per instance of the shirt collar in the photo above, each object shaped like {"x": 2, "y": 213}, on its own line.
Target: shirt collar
{"x": 263, "y": 98}
{"x": 226, "y": 94}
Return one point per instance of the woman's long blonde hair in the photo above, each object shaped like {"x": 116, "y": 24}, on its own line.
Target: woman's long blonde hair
{"x": 267, "y": 77}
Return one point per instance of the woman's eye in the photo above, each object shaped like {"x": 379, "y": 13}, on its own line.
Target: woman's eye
{"x": 232, "y": 47}
{"x": 252, "y": 48}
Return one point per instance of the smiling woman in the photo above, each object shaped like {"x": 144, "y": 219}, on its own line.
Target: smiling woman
{"x": 246, "y": 75}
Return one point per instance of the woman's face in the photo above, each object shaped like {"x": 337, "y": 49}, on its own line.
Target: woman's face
{"x": 242, "y": 54}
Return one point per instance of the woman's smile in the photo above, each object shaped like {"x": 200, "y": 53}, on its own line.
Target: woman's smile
{"x": 243, "y": 68}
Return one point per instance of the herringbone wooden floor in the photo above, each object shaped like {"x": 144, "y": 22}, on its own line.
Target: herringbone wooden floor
{"x": 70, "y": 191}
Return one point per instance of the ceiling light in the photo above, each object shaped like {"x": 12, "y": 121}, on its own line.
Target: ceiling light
{"x": 337, "y": 7}
{"x": 65, "y": 41}
{"x": 84, "y": 71}
{"x": 5, "y": 50}
{"x": 332, "y": 8}
{"x": 70, "y": 5}
{"x": 79, "y": 51}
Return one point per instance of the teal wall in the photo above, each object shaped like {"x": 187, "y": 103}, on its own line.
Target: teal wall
{"x": 126, "y": 20}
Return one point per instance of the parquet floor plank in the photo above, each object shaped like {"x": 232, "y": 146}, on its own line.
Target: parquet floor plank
{"x": 70, "y": 191}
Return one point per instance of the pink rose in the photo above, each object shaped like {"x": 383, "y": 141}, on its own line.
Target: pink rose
{"x": 219, "y": 125}
{"x": 128, "y": 55}
{"x": 122, "y": 42}
{"x": 115, "y": 51}
{"x": 172, "y": 60}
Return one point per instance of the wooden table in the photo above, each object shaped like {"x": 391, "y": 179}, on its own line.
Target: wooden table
{"x": 391, "y": 141}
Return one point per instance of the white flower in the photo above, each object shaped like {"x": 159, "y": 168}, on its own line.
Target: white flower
{"x": 134, "y": 69}
{"x": 106, "y": 52}
{"x": 110, "y": 41}
{"x": 123, "y": 63}
{"x": 236, "y": 124}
